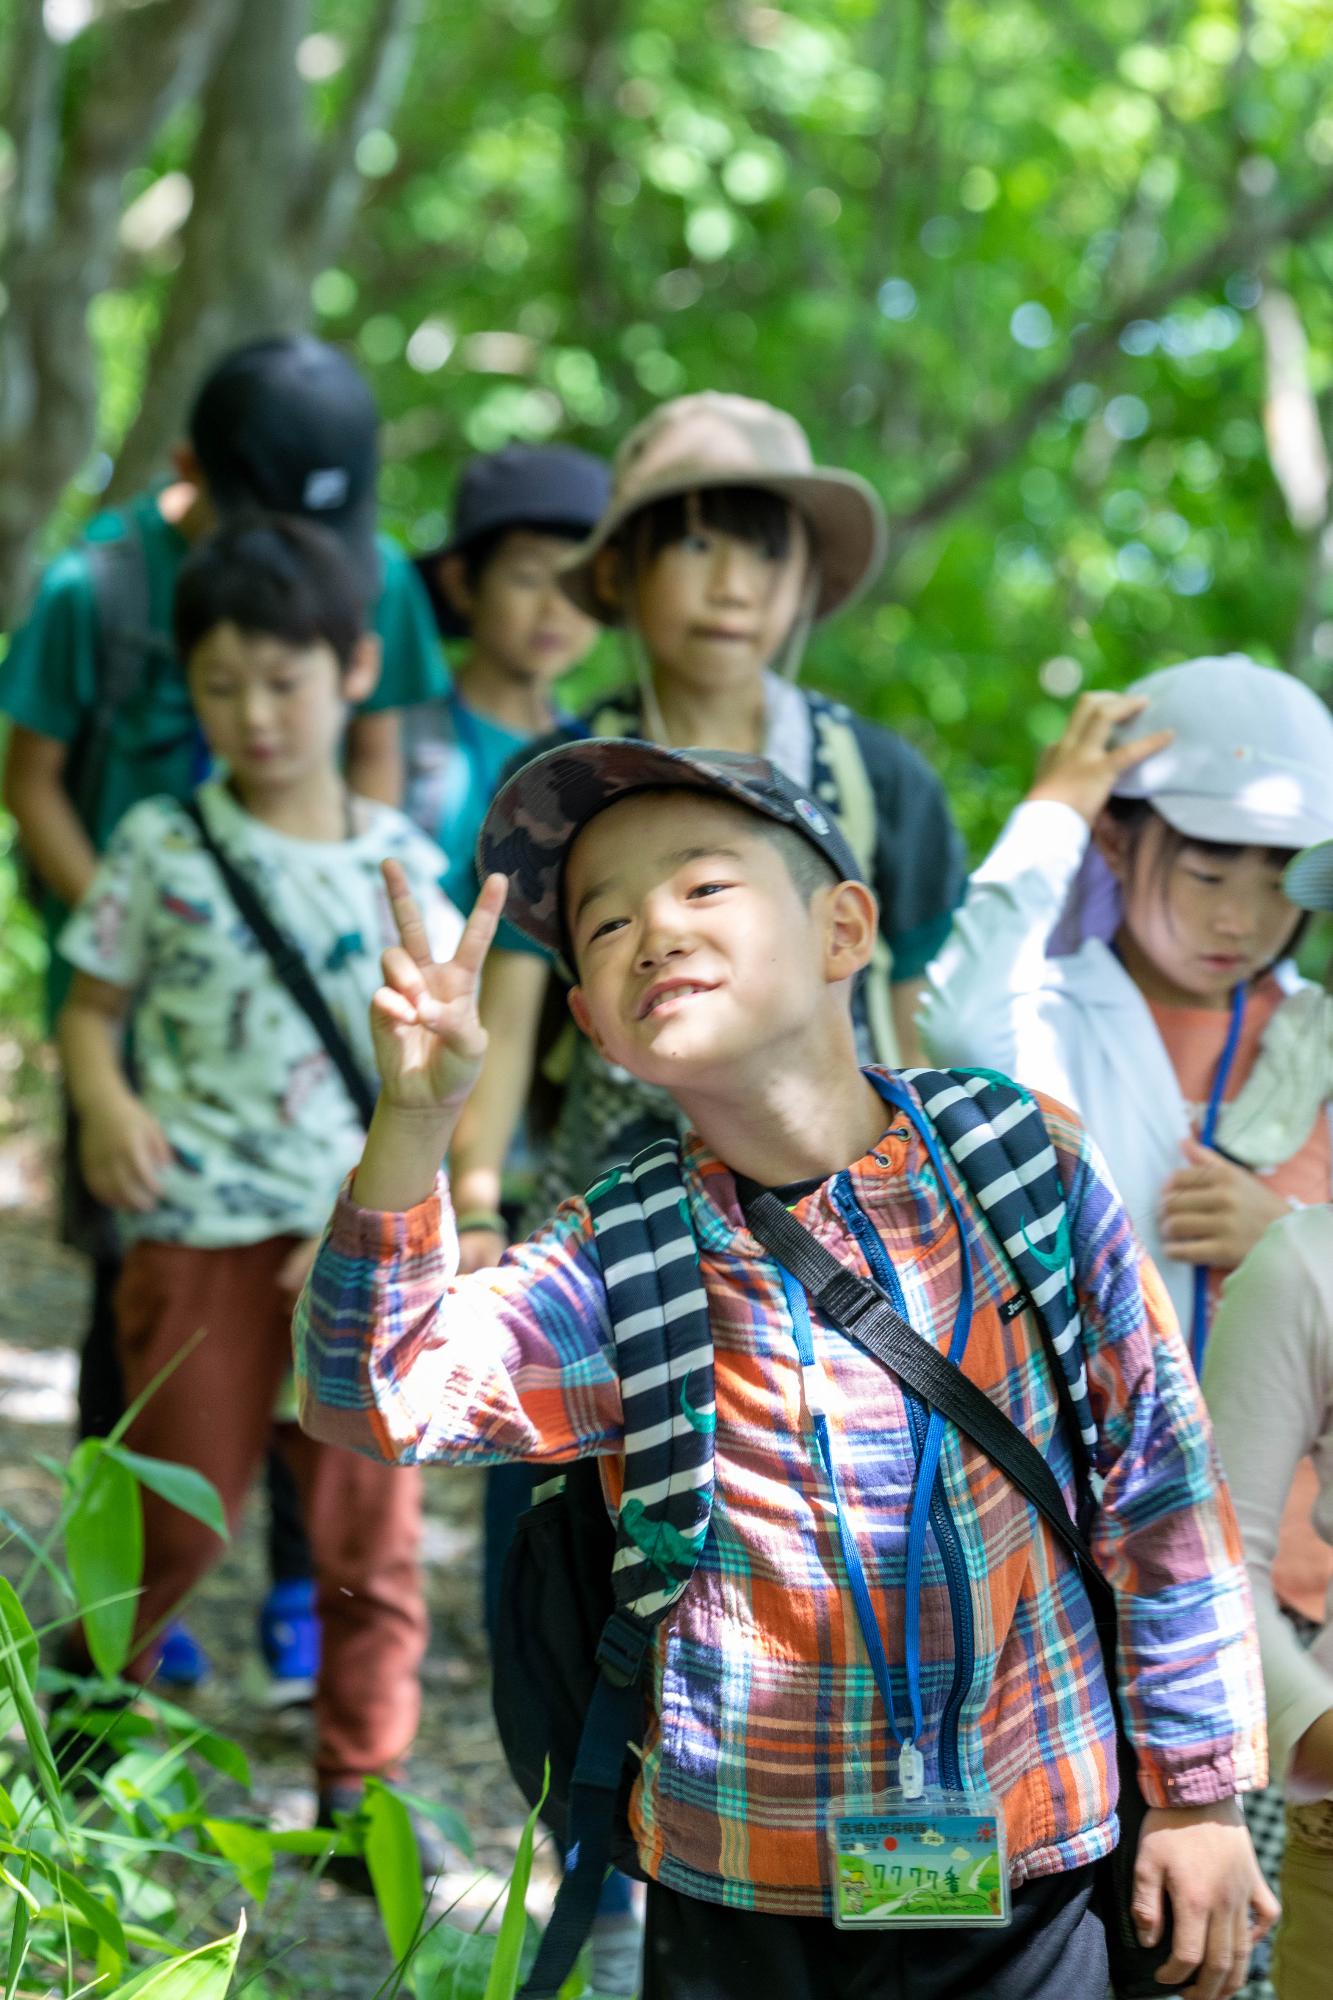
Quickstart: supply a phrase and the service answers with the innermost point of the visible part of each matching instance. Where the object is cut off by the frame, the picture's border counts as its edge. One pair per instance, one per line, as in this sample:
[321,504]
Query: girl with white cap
[1124,947]
[1269,1422]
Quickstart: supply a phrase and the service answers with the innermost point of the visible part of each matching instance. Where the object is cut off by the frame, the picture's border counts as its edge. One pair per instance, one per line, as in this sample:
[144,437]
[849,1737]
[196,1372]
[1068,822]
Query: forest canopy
[1056,280]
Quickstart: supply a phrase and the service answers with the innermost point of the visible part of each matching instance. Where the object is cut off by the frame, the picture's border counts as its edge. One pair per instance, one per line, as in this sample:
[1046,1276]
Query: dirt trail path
[332,1940]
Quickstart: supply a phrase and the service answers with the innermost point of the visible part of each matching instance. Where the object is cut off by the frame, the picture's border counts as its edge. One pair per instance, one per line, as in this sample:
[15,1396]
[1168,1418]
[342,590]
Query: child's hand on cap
[429,1041]
[1081,769]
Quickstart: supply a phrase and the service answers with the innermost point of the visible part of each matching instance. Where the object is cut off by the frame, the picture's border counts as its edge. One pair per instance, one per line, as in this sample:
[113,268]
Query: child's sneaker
[289,1638]
[183,1663]
[339,1803]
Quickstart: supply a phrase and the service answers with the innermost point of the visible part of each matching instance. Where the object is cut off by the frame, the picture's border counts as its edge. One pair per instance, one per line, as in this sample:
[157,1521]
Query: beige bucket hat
[713,439]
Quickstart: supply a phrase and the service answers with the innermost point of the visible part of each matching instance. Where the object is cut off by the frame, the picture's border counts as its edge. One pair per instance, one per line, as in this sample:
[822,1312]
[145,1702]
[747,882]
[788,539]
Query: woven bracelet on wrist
[475,1220]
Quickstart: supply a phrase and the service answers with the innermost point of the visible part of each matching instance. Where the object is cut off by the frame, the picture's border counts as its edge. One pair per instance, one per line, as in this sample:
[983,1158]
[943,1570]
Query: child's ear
[1110,837]
[578,1007]
[451,575]
[362,671]
[852,919]
[608,576]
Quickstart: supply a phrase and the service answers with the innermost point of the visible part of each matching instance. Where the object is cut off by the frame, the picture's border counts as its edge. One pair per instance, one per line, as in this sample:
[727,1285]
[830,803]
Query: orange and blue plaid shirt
[763,1710]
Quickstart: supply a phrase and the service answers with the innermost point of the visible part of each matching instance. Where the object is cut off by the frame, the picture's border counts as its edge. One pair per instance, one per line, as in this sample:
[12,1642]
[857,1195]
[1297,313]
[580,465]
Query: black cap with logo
[289,425]
[532,822]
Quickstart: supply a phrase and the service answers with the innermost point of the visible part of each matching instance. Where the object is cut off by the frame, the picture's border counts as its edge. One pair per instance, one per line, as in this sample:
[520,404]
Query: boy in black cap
[101,714]
[842,1629]
[519,512]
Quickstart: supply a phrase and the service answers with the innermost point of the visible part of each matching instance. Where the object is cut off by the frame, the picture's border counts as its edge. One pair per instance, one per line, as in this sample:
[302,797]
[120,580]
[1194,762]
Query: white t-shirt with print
[261,1128]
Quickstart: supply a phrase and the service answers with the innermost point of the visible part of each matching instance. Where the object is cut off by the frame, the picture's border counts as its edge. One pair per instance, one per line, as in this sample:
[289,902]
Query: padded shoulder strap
[118,571]
[998,1141]
[664,1349]
[118,576]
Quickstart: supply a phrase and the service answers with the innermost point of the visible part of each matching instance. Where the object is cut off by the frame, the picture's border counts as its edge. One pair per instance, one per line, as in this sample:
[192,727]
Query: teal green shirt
[454,758]
[48,678]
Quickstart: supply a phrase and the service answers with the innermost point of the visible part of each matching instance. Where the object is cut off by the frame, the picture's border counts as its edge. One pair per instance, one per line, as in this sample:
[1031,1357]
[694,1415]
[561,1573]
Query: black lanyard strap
[867,1317]
[291,969]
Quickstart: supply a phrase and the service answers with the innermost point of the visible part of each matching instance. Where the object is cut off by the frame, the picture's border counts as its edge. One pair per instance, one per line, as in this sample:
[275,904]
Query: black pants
[1052,1949]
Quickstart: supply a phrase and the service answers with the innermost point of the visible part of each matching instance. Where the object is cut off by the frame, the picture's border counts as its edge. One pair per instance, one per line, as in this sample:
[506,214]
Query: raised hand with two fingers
[429,1041]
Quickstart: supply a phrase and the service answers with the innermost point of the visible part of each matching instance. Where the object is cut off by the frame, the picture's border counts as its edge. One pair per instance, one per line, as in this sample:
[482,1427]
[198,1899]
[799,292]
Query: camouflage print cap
[532,822]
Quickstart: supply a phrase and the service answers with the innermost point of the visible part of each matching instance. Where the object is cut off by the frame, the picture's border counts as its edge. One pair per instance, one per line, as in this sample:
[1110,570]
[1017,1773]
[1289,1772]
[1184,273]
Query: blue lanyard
[1207,1133]
[927,1476]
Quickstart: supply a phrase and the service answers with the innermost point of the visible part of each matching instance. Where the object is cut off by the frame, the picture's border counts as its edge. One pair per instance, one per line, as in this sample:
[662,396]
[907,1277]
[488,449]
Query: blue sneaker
[289,1638]
[183,1663]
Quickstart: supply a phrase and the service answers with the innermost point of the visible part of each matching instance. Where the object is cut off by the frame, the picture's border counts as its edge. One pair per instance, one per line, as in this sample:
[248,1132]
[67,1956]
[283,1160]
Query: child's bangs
[750,513]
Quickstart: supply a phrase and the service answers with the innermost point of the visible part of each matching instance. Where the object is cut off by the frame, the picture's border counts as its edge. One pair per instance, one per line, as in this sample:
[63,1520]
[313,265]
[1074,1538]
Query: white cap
[1251,762]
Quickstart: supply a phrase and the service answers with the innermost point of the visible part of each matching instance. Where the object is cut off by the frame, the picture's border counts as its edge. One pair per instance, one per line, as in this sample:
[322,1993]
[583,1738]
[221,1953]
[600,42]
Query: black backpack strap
[290,967]
[658,1311]
[125,642]
[866,1315]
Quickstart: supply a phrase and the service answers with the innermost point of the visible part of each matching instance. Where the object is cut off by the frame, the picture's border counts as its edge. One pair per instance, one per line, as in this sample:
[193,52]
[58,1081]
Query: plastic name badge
[934,1860]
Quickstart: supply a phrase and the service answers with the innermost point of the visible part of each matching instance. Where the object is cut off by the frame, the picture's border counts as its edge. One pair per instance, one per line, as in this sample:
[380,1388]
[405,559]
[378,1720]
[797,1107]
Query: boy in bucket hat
[722,544]
[713,917]
[493,584]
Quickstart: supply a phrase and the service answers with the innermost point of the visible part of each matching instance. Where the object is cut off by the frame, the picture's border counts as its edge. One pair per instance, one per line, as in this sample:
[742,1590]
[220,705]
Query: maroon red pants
[363,1520]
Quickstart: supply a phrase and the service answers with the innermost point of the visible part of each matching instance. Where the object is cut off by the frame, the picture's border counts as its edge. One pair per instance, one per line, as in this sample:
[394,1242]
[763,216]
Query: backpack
[124,644]
[581,1597]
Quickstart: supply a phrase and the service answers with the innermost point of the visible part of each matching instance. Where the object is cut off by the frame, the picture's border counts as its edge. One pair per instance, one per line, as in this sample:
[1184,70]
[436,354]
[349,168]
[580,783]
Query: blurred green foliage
[892,217]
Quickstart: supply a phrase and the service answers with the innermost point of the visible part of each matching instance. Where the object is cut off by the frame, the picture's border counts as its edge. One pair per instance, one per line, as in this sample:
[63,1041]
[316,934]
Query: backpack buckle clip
[622,1648]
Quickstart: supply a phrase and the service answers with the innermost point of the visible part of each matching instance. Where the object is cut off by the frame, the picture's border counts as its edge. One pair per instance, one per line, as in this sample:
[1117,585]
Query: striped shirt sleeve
[398,1357]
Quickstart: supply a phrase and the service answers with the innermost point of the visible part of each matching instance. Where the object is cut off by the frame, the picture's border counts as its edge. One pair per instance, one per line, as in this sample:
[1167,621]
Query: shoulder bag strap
[291,969]
[866,1316]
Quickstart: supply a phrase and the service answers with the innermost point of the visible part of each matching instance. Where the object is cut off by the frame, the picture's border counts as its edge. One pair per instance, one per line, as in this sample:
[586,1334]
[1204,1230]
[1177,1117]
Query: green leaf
[140,1900]
[315,1840]
[18,1934]
[39,1555]
[503,1981]
[100,1918]
[18,1668]
[180,1485]
[220,1751]
[395,1866]
[249,1850]
[104,1550]
[20,1889]
[449,1964]
[451,1824]
[158,1777]
[200,1975]
[25,1663]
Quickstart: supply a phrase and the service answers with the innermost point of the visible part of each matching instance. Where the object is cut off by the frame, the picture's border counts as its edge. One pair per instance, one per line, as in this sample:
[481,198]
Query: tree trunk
[270,206]
[63,239]
[233,282]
